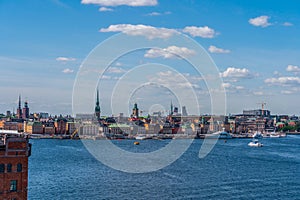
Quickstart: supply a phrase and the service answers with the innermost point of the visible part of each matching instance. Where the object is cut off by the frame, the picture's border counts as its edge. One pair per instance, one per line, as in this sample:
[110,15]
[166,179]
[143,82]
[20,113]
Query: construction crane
[262,107]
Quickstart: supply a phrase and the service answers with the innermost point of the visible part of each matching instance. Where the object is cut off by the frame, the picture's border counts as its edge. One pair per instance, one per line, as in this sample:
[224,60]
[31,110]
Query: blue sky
[255,45]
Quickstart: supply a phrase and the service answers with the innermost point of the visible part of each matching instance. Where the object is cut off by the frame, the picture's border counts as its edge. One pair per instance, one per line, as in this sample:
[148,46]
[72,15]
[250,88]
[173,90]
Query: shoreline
[156,137]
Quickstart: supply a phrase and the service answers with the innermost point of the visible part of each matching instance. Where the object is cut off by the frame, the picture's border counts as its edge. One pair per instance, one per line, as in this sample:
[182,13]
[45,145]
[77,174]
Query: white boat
[255,143]
[219,135]
[141,137]
[225,135]
[257,135]
[274,136]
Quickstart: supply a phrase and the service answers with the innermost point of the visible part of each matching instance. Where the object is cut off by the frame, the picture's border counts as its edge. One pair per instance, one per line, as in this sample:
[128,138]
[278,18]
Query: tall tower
[184,112]
[25,110]
[135,111]
[19,110]
[97,107]
[171,111]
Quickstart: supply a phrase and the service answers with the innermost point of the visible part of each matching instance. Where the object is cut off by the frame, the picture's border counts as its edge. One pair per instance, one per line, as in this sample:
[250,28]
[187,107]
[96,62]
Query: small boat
[257,135]
[255,143]
[136,143]
[219,135]
[274,136]
[225,135]
[140,137]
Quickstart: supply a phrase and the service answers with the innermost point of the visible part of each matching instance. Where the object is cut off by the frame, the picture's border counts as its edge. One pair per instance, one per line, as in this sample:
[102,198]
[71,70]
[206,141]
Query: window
[9,166]
[13,186]
[19,167]
[2,167]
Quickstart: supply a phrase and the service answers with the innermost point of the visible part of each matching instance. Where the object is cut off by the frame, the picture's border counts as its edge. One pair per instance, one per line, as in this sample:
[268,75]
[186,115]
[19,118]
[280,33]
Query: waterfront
[63,169]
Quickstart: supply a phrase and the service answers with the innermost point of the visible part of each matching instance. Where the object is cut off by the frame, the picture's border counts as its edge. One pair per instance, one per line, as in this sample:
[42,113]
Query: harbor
[232,169]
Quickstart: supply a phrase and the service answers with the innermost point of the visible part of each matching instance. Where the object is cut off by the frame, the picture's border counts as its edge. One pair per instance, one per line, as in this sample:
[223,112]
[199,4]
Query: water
[64,169]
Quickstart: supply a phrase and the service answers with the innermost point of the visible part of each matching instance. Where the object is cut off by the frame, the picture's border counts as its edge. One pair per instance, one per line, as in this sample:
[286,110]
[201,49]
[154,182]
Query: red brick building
[14,153]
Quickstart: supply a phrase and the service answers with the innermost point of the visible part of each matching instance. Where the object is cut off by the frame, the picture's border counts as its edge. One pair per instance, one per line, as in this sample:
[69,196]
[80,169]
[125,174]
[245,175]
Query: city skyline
[255,46]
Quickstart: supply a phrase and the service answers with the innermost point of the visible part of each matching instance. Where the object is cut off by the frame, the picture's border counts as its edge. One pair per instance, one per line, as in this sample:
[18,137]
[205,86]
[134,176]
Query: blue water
[64,169]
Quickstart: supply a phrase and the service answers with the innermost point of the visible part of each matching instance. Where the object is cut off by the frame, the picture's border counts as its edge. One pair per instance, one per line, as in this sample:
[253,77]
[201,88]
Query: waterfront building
[14,153]
[119,129]
[33,127]
[60,125]
[88,129]
[11,125]
[49,128]
[71,127]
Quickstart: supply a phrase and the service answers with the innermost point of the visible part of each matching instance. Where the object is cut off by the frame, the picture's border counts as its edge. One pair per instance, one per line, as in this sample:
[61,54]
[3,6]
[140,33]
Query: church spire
[19,110]
[171,112]
[97,107]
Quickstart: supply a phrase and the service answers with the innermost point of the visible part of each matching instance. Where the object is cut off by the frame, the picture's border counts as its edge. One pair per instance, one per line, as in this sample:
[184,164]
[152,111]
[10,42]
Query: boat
[219,135]
[257,135]
[136,143]
[274,136]
[225,135]
[142,137]
[255,143]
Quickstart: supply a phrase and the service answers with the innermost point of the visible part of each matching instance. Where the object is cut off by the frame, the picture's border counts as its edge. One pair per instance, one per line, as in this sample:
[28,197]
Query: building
[60,126]
[184,111]
[25,111]
[19,109]
[258,112]
[135,111]
[14,153]
[97,107]
[33,127]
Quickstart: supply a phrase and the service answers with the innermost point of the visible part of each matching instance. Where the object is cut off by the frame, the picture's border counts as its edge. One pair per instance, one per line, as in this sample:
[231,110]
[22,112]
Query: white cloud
[287,92]
[283,81]
[258,93]
[261,21]
[168,78]
[287,24]
[204,32]
[148,31]
[158,13]
[121,2]
[170,52]
[154,14]
[226,85]
[232,88]
[292,68]
[105,9]
[65,59]
[67,71]
[118,64]
[105,77]
[116,70]
[239,87]
[291,90]
[232,72]
[214,49]
[276,73]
